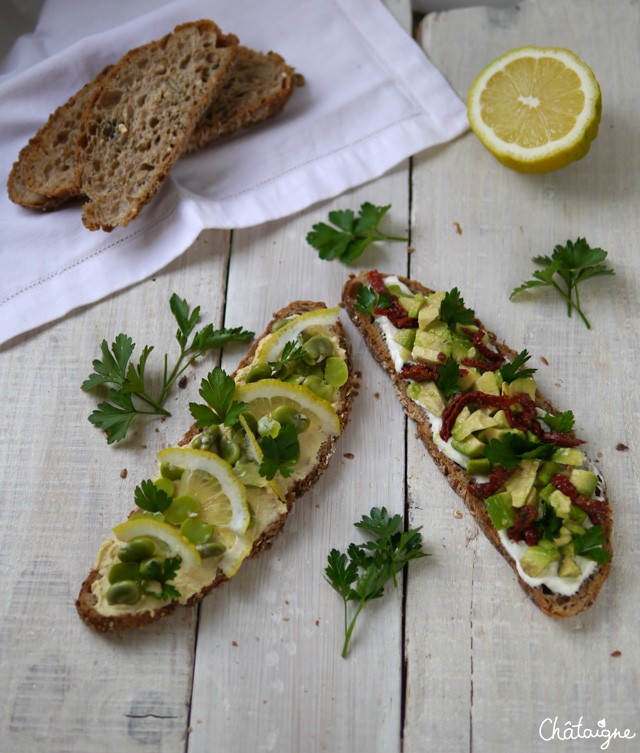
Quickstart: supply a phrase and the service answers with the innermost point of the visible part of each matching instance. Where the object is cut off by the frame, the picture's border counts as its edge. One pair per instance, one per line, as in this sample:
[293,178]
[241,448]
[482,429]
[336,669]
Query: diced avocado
[501,510]
[487,382]
[472,447]
[467,380]
[568,456]
[568,568]
[532,497]
[500,417]
[430,343]
[547,471]
[428,396]
[546,492]
[476,421]
[520,483]
[461,418]
[575,529]
[537,558]
[478,467]
[405,337]
[585,481]
[430,310]
[568,550]
[459,347]
[577,515]
[563,537]
[494,432]
[395,289]
[560,503]
[412,303]
[525,385]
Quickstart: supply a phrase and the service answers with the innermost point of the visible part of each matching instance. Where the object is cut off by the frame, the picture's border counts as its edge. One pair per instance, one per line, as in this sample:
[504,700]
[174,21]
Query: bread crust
[86,601]
[552,604]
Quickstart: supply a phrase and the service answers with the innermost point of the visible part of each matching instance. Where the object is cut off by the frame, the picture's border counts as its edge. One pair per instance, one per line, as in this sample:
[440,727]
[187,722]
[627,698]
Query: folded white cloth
[371,99]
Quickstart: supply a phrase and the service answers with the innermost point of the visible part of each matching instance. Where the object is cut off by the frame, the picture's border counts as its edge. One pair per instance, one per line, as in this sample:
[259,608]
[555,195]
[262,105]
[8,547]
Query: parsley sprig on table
[349,234]
[565,269]
[130,394]
[361,574]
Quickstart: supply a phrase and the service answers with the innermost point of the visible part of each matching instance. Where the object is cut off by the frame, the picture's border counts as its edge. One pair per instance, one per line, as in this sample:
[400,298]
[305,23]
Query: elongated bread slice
[415,368]
[257,88]
[138,123]
[270,501]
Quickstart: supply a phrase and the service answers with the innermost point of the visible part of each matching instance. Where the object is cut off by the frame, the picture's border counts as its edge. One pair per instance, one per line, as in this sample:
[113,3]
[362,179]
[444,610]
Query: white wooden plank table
[456,659]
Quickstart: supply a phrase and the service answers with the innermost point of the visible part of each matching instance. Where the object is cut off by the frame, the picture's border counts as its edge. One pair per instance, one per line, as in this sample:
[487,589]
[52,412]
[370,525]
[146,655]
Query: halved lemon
[271,347]
[211,480]
[168,536]
[536,109]
[265,396]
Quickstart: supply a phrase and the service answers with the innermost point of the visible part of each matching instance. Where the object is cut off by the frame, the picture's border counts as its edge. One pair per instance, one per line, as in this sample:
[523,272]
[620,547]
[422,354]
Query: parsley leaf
[514,370]
[130,388]
[590,544]
[291,353]
[565,269]
[361,574]
[448,376]
[280,453]
[367,300]
[162,574]
[148,497]
[349,234]
[548,526]
[453,310]
[561,422]
[508,451]
[217,389]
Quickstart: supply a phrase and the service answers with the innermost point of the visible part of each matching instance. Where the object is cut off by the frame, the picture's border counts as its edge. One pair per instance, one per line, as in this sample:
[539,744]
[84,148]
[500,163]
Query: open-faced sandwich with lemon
[261,438]
[512,457]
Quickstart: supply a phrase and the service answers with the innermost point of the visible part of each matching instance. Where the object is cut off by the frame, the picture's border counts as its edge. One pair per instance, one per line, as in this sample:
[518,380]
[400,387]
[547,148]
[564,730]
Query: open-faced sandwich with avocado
[504,448]
[261,438]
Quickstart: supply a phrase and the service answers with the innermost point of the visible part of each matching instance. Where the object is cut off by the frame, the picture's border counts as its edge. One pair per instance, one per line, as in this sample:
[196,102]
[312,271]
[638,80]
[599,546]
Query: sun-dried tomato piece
[419,372]
[493,360]
[525,518]
[497,477]
[394,313]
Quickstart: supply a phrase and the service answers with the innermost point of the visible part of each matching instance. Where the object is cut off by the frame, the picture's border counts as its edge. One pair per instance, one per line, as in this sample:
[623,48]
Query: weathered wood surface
[459,660]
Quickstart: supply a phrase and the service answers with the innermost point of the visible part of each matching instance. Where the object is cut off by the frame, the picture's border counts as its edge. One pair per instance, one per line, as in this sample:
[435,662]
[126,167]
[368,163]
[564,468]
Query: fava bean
[317,348]
[212,549]
[319,387]
[165,485]
[197,531]
[151,568]
[124,592]
[137,549]
[123,571]
[257,372]
[229,450]
[287,414]
[181,508]
[170,471]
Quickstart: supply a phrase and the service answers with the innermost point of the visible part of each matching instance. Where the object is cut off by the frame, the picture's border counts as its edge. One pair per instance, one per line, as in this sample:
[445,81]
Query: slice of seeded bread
[257,88]
[139,121]
[86,600]
[552,604]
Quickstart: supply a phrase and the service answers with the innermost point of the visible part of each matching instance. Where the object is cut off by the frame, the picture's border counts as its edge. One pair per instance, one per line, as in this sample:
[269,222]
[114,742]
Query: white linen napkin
[371,99]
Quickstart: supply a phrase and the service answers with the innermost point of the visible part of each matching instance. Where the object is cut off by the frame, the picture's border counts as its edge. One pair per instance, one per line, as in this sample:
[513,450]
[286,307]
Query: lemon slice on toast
[271,347]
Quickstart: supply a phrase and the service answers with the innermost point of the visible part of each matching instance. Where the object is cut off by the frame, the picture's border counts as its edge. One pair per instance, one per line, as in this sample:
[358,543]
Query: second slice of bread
[141,118]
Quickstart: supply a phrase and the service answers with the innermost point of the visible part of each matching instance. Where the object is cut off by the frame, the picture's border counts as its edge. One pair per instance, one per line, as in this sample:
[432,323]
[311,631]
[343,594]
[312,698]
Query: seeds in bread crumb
[621,447]
[123,473]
